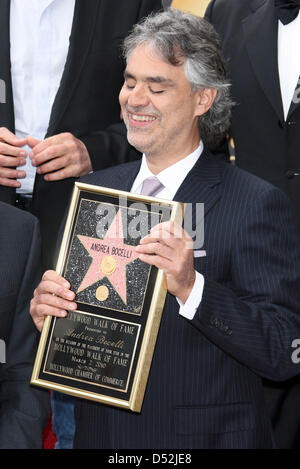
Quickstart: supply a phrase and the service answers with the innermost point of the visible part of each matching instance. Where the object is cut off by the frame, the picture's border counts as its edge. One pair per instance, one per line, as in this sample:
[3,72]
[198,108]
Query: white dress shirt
[172,178]
[39,43]
[288,60]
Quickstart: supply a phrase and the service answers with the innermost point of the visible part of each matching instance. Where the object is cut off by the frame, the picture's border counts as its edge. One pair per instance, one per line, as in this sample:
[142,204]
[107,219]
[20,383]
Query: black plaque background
[138,319]
[77,353]
[79,261]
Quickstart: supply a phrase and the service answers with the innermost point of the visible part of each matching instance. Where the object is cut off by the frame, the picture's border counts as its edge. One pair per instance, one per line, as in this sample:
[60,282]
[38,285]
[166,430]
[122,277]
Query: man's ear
[204,100]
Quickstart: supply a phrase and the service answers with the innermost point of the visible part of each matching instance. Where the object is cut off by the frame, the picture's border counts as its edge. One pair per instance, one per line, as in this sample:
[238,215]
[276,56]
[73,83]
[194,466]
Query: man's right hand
[11,157]
[52,297]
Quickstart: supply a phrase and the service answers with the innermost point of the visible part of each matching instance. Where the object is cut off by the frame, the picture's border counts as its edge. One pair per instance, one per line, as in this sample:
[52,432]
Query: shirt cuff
[189,308]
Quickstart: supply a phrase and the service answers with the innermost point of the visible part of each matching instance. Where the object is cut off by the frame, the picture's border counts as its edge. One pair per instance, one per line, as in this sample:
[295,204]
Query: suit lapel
[6,109]
[199,186]
[85,16]
[126,175]
[261,33]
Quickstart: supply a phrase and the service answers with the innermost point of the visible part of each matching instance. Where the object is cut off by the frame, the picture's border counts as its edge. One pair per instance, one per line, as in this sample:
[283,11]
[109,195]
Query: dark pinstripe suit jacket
[204,388]
[24,411]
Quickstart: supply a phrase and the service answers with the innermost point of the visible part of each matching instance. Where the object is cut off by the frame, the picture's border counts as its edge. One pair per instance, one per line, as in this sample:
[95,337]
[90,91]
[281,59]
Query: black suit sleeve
[255,316]
[208,12]
[110,147]
[24,410]
[222,152]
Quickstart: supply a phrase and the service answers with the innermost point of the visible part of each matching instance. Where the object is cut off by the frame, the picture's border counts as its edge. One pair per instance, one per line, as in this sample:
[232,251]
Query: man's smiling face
[159,109]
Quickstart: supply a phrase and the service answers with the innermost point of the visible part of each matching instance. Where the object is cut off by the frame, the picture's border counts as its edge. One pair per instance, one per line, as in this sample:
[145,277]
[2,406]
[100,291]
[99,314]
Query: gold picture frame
[103,350]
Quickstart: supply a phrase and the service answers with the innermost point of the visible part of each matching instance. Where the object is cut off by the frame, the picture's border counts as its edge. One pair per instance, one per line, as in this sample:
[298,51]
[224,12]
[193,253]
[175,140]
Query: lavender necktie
[151,186]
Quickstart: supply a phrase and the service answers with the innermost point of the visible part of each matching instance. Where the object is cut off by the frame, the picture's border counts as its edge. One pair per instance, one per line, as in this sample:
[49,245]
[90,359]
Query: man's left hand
[59,157]
[169,247]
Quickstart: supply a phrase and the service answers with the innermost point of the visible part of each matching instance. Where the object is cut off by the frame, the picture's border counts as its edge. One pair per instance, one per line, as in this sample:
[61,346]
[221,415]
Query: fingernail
[23,153]
[72,306]
[70,295]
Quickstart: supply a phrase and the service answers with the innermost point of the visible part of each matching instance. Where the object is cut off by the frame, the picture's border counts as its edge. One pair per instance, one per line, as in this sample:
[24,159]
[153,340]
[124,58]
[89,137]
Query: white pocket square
[199,253]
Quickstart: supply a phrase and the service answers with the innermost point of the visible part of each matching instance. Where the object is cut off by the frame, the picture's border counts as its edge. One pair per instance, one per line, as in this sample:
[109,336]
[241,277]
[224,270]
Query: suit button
[291,174]
[215,322]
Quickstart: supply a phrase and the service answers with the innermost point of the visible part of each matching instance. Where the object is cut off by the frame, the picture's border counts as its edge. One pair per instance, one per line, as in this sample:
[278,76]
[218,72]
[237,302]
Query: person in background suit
[60,61]
[231,314]
[260,40]
[23,410]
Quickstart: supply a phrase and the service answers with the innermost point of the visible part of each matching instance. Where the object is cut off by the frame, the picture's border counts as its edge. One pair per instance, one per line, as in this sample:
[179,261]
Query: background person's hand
[11,157]
[59,157]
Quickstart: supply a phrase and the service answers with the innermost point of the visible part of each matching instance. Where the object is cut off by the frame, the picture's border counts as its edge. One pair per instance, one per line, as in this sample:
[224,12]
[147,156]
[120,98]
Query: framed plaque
[103,350]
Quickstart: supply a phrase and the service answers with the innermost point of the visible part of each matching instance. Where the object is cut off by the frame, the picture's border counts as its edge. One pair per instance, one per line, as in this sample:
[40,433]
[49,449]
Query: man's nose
[138,96]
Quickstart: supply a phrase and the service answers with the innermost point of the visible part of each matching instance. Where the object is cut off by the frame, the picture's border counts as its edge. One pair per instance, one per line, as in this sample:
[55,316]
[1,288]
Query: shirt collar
[171,177]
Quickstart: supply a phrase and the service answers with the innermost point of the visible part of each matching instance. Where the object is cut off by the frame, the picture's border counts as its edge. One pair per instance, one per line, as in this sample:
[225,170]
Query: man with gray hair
[230,315]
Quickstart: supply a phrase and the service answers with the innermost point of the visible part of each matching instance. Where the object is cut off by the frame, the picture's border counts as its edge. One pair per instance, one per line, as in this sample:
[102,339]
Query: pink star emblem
[109,258]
